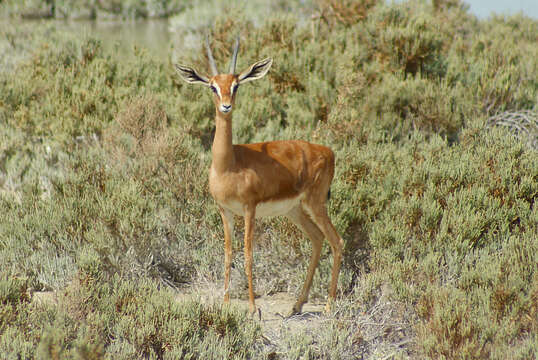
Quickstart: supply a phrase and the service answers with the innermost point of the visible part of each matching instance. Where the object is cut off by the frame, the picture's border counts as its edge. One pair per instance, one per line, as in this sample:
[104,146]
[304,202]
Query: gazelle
[290,178]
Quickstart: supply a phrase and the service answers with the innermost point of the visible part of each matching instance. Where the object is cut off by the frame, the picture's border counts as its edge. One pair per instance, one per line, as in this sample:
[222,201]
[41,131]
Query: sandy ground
[273,310]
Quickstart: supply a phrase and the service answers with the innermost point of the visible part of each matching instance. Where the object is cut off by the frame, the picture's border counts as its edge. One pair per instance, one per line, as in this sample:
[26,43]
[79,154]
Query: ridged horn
[212,64]
[234,56]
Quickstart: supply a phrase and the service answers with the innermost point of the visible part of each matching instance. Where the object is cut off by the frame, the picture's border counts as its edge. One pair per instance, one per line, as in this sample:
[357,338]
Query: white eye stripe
[233,88]
[216,86]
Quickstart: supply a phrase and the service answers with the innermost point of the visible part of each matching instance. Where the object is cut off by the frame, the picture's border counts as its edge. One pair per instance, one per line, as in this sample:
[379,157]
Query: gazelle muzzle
[225,108]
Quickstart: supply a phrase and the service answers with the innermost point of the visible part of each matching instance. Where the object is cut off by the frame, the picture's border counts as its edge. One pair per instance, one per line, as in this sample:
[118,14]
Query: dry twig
[523,124]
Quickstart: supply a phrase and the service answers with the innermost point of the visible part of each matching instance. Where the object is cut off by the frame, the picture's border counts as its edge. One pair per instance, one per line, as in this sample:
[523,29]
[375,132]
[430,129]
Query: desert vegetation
[432,114]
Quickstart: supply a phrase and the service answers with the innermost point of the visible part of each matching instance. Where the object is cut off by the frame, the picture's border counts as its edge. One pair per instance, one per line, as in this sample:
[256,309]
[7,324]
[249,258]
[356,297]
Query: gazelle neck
[222,149]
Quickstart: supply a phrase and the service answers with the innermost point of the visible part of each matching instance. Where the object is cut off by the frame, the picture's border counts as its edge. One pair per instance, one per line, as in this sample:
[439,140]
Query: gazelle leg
[303,221]
[250,215]
[320,217]
[228,222]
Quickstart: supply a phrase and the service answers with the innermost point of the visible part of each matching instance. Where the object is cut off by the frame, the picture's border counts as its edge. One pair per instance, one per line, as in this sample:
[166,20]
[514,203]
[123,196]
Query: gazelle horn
[210,57]
[234,56]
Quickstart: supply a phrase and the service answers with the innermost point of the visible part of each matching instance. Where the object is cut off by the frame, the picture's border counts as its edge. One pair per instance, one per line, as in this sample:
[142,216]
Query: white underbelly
[265,209]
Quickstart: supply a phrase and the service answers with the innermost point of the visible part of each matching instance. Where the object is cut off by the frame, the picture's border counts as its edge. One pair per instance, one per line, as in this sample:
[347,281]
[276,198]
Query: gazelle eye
[234,88]
[214,89]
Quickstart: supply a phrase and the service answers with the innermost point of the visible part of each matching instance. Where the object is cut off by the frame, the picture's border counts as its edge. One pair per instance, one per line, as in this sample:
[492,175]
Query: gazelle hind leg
[320,217]
[303,221]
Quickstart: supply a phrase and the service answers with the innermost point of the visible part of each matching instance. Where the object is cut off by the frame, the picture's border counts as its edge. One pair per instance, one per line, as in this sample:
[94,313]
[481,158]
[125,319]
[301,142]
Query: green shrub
[97,317]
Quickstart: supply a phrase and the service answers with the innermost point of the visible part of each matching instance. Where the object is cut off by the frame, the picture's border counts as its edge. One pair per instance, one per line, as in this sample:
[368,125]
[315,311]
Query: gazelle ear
[190,75]
[255,71]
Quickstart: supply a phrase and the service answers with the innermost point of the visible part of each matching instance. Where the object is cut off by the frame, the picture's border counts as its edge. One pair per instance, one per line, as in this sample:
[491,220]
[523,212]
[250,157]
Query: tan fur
[290,178]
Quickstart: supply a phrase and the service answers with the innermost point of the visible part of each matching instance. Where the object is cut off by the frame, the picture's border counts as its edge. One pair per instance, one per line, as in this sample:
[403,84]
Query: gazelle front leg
[228,223]
[250,215]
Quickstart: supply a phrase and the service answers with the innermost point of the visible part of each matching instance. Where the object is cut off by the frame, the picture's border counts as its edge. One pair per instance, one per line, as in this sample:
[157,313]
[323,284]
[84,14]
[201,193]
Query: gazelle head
[224,86]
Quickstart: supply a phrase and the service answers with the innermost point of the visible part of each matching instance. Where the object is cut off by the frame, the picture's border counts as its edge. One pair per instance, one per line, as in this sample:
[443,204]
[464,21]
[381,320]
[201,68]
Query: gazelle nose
[225,107]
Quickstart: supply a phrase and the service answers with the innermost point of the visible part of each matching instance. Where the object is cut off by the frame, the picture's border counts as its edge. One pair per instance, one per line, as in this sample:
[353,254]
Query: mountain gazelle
[290,178]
